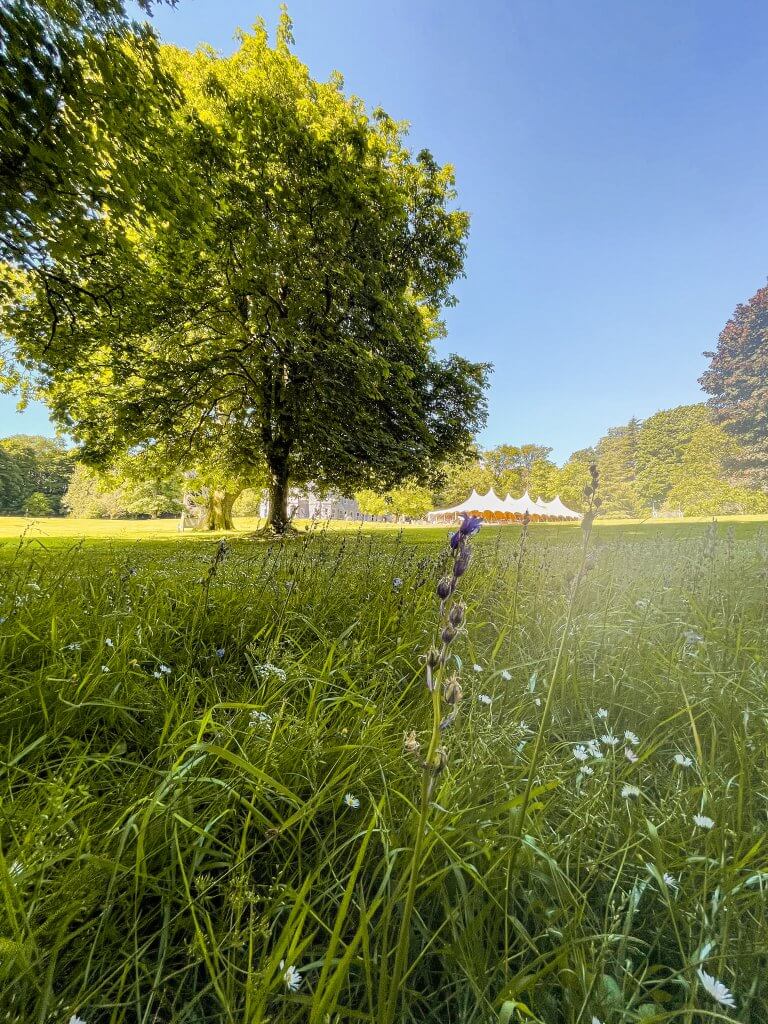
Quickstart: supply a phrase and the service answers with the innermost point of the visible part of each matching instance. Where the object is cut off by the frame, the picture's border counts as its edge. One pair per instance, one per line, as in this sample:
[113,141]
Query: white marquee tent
[493,509]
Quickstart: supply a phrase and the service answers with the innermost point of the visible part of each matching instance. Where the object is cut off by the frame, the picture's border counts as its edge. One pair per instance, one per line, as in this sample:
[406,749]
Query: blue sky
[614,159]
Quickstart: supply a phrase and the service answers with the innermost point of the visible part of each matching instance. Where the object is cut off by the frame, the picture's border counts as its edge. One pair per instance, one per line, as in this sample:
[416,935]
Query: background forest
[678,461]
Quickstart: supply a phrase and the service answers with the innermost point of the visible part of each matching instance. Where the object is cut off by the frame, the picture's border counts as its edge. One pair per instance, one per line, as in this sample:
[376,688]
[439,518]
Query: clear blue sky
[613,156]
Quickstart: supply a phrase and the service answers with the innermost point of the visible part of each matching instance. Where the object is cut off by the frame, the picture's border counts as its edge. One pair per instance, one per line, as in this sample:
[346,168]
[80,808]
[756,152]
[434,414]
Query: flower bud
[462,562]
[448,634]
[439,761]
[452,692]
[410,744]
[444,588]
[448,721]
[432,657]
[456,614]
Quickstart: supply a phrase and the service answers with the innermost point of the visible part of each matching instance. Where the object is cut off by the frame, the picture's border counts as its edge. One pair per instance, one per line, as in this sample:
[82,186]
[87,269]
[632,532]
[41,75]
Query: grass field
[208,815]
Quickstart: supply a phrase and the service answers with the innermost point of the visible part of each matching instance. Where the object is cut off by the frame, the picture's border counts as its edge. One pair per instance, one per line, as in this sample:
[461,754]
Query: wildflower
[703,821]
[397,583]
[630,737]
[537,702]
[477,668]
[445,588]
[683,761]
[602,713]
[74,1019]
[257,718]
[630,755]
[586,770]
[609,739]
[73,647]
[670,881]
[291,977]
[219,652]
[716,989]
[596,1020]
[109,643]
[523,726]
[580,752]
[484,698]
[164,669]
[628,792]
[594,748]
[105,668]
[158,675]
[351,801]
[506,676]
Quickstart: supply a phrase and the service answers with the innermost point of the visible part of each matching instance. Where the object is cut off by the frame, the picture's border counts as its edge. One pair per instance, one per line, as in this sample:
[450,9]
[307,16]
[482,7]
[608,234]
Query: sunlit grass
[174,817]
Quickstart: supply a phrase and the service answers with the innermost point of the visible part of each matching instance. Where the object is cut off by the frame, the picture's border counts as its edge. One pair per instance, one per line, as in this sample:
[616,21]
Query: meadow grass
[204,781]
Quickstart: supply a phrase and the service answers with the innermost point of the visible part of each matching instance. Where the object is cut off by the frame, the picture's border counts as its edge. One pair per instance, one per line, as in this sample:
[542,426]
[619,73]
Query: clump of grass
[207,815]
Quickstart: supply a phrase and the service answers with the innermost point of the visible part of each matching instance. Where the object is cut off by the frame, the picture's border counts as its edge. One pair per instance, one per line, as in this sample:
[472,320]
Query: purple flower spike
[470,525]
[455,540]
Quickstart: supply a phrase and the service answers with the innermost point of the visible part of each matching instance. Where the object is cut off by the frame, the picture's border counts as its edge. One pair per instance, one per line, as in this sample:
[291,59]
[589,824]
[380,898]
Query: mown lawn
[204,780]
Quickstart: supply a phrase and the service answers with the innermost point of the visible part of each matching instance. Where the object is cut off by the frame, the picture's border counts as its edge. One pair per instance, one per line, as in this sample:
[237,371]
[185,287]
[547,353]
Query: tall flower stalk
[445,697]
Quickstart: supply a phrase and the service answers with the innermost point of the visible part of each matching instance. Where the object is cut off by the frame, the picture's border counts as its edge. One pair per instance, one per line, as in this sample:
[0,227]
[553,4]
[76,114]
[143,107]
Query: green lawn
[179,738]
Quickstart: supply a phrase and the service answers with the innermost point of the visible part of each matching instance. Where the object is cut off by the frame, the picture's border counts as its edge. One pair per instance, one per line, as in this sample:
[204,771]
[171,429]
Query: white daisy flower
[594,748]
[586,770]
[703,821]
[580,753]
[628,792]
[506,676]
[683,761]
[609,739]
[630,755]
[716,989]
[105,668]
[630,737]
[484,698]
[164,669]
[291,977]
[109,643]
[351,801]
[602,713]
[670,881]
[477,668]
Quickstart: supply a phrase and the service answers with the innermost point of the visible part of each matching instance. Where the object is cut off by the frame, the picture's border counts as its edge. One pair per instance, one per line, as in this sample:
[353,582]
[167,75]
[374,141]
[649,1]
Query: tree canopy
[737,381]
[282,310]
[81,97]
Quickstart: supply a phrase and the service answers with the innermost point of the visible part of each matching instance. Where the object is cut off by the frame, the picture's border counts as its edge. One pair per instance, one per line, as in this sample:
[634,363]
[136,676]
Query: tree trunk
[218,512]
[277,516]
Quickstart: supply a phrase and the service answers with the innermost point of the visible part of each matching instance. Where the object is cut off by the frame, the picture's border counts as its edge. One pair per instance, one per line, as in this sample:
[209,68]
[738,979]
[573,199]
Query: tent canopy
[491,504]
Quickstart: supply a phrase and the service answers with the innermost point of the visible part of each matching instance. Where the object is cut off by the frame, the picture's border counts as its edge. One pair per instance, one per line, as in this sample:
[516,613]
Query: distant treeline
[679,461]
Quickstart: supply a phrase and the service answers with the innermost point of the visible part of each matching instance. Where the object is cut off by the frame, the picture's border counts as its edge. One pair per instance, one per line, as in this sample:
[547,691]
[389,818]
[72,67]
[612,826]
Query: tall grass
[178,744]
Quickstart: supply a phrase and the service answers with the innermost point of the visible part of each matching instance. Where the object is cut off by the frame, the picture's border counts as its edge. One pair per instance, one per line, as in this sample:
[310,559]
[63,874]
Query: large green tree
[737,381]
[284,310]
